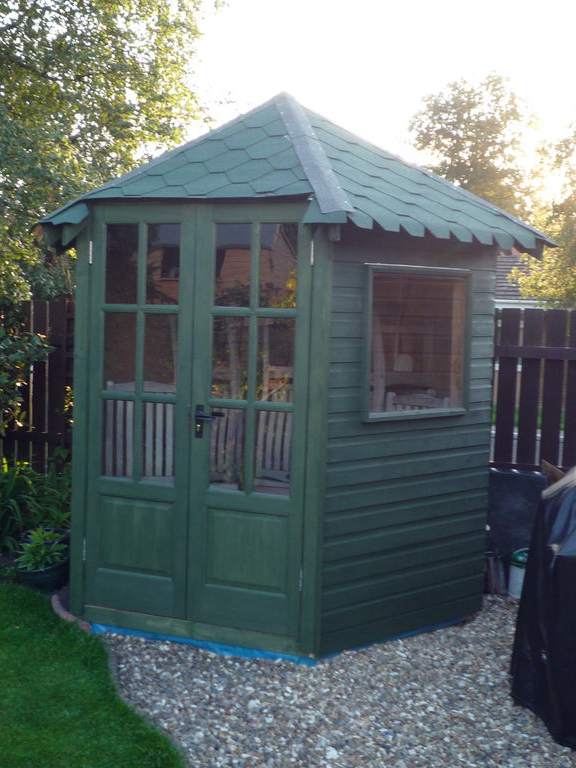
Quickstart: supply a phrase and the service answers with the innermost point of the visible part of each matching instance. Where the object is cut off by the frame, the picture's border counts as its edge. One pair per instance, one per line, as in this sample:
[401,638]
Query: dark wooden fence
[534,388]
[48,389]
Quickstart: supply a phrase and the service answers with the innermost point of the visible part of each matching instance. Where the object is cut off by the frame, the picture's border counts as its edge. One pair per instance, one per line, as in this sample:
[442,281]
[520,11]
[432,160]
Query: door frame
[314,306]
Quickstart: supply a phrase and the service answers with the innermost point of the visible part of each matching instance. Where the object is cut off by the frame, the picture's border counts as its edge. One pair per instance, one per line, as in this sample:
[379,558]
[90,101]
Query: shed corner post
[80,429]
[317,439]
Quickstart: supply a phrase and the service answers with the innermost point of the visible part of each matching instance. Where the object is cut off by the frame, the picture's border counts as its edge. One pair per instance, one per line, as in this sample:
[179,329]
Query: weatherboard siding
[404,517]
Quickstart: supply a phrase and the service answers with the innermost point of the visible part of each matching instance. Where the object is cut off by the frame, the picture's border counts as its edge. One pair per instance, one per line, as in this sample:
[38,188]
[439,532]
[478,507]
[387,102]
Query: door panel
[247,468]
[137,519]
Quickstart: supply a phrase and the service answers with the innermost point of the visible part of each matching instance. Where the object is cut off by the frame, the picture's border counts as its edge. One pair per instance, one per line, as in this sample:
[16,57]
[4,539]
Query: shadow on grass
[58,704]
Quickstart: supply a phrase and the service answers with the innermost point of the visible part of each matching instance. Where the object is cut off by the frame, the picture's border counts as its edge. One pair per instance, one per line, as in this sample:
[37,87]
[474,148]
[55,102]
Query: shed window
[418,330]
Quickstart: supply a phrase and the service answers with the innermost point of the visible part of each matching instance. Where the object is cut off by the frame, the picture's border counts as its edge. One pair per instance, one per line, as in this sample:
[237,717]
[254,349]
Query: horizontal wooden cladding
[385,515]
[427,618]
[451,569]
[427,462]
[408,489]
[378,564]
[402,602]
[383,446]
[404,536]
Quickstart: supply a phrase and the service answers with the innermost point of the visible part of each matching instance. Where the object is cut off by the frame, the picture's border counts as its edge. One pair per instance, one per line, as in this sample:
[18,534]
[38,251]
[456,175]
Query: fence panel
[534,388]
[47,424]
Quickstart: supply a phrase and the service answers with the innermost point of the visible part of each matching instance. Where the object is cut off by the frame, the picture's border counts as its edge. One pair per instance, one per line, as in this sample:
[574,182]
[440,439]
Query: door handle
[200,417]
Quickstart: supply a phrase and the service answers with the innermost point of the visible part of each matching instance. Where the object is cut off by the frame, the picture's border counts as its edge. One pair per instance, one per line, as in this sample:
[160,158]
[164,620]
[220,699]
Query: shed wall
[404,517]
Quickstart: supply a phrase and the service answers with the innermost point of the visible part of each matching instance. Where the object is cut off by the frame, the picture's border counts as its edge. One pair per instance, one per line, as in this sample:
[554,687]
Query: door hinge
[301,579]
[90,257]
[312,253]
[83,550]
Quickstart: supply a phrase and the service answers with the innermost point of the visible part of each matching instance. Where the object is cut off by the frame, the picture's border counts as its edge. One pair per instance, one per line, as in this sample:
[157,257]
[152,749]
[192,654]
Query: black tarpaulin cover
[544,657]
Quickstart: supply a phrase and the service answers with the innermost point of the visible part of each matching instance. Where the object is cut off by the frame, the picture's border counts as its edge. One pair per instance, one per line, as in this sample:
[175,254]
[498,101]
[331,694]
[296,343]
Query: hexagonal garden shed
[282,389]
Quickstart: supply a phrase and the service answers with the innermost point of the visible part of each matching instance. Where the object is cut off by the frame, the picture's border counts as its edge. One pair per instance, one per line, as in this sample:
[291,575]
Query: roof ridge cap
[329,194]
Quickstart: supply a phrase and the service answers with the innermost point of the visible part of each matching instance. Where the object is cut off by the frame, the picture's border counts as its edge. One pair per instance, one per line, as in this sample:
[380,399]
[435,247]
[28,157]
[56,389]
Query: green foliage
[473,133]
[85,87]
[29,499]
[42,549]
[59,704]
[18,350]
[552,279]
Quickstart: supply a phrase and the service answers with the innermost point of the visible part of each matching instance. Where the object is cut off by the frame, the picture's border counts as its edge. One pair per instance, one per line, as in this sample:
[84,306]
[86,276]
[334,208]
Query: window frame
[373,268]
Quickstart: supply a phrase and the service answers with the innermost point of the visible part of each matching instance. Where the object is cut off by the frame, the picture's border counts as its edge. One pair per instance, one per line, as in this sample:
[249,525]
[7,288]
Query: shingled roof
[282,150]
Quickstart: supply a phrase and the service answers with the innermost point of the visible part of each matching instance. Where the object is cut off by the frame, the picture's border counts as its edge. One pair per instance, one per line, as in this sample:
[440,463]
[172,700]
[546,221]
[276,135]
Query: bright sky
[367,64]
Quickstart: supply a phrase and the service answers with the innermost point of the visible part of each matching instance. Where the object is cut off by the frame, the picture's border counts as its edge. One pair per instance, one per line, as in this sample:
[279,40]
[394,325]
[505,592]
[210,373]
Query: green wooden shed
[282,389]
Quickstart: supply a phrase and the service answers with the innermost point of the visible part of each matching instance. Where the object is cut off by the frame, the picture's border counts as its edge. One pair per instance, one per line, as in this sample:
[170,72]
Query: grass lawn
[58,706]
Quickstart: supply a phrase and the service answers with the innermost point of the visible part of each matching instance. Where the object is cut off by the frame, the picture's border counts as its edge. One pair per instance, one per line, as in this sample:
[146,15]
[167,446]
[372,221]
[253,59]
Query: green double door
[197,412]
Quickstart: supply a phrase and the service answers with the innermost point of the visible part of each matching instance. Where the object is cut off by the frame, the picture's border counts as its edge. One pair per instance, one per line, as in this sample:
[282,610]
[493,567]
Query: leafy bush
[29,499]
[18,350]
[42,549]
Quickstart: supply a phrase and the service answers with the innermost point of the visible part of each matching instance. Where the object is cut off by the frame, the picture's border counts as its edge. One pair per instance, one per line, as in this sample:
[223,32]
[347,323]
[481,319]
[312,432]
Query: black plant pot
[48,580]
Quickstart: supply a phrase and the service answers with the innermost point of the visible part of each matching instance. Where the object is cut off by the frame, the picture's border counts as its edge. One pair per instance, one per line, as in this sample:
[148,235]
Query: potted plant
[42,561]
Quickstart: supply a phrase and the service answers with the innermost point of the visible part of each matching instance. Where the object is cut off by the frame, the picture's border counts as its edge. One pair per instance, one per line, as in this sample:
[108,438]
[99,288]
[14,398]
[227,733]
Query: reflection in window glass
[278,261]
[230,357]
[272,452]
[121,263]
[163,264]
[160,338]
[119,351]
[158,439]
[227,449]
[232,278]
[118,438]
[275,371]
[417,357]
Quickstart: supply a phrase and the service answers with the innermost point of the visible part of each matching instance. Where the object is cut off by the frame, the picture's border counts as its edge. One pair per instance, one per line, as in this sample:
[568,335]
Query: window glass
[160,338]
[120,351]
[232,265]
[278,249]
[227,449]
[121,263]
[275,369]
[118,438]
[272,454]
[230,357]
[158,440]
[163,264]
[417,355]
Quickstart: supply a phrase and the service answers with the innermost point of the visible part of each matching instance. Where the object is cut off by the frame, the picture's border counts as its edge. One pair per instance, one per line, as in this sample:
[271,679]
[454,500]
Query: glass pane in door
[230,357]
[275,364]
[278,262]
[160,340]
[120,351]
[163,264]
[272,452]
[227,449]
[232,264]
[121,263]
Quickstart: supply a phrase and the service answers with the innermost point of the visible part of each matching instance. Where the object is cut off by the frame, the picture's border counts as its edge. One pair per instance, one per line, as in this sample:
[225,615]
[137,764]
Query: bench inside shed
[282,389]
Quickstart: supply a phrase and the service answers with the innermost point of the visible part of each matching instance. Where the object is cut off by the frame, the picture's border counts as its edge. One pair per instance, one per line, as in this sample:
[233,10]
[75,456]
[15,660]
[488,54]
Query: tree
[473,134]
[552,278]
[87,89]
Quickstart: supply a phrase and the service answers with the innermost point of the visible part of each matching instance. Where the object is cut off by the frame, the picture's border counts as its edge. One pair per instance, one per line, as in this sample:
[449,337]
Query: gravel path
[438,700]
